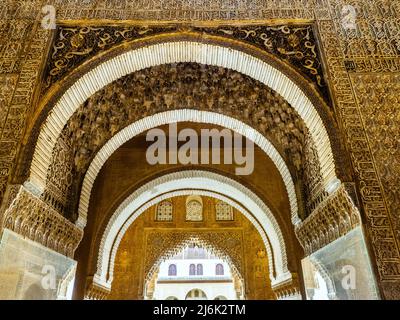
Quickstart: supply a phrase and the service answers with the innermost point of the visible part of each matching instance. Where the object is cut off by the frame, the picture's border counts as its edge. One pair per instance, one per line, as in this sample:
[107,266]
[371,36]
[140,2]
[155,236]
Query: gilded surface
[373,47]
[74,45]
[21,50]
[339,45]
[294,44]
[379,104]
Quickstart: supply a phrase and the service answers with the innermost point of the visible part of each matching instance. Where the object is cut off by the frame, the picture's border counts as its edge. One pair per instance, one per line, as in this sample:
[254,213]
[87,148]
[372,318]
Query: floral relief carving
[21,52]
[342,61]
[374,46]
[73,45]
[377,28]
[61,171]
[379,103]
[7,86]
[293,44]
[312,177]
[332,218]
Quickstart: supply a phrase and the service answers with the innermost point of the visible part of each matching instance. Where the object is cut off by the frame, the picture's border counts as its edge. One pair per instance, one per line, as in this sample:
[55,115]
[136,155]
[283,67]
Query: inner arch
[183,115]
[145,197]
[157,199]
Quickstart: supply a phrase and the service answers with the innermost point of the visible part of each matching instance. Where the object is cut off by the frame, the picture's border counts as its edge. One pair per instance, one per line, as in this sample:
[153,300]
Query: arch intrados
[56,92]
[183,115]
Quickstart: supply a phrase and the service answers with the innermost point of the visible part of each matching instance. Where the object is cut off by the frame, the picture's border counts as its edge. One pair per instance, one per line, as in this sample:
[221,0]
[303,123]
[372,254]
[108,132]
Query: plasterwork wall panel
[339,47]
[22,45]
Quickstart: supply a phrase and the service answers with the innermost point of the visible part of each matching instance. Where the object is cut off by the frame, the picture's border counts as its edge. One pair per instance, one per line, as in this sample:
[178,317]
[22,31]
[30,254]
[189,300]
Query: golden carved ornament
[333,218]
[293,44]
[95,292]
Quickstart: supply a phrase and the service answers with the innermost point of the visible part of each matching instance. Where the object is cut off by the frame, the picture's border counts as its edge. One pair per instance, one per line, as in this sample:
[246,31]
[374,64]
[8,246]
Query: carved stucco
[339,45]
[334,217]
[22,47]
[35,220]
[294,44]
[377,97]
[178,86]
[60,187]
[345,51]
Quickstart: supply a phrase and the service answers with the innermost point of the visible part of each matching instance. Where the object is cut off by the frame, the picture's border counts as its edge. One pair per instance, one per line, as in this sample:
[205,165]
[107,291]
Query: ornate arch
[216,243]
[207,242]
[197,192]
[183,115]
[188,50]
[223,188]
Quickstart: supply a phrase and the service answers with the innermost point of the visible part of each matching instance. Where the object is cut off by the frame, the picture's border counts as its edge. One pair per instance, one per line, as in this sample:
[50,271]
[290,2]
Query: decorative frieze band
[32,218]
[289,290]
[333,218]
[94,291]
[372,65]
[344,63]
[20,60]
[294,44]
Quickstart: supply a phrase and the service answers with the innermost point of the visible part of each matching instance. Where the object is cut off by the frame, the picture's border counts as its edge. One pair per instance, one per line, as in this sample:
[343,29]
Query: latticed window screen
[224,212]
[164,211]
[194,211]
